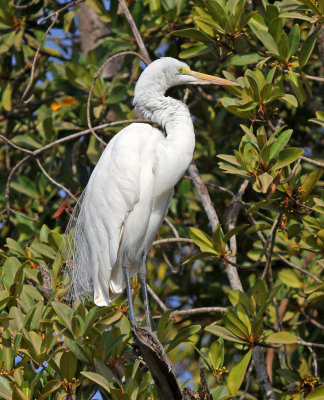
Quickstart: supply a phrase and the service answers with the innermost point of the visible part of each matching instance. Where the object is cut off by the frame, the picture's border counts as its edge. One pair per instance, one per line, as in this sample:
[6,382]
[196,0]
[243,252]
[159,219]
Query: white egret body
[130,189]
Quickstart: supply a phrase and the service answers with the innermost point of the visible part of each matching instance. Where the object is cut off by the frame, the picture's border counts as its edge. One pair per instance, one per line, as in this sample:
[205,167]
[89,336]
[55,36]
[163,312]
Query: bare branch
[195,311]
[54,181]
[32,75]
[23,6]
[272,235]
[157,299]
[203,195]
[136,33]
[310,77]
[302,270]
[309,160]
[172,240]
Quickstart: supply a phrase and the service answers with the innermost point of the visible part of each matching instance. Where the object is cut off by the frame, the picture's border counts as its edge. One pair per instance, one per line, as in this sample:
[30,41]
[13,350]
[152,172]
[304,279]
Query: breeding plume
[130,189]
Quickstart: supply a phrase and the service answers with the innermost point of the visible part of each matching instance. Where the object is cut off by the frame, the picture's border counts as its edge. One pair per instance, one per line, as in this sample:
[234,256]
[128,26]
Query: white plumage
[130,189]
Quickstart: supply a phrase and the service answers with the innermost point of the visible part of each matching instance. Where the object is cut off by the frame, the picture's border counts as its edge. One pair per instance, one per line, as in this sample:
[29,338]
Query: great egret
[130,189]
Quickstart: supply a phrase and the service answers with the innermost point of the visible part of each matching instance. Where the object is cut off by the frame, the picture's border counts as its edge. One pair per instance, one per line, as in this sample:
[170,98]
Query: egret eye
[180,70]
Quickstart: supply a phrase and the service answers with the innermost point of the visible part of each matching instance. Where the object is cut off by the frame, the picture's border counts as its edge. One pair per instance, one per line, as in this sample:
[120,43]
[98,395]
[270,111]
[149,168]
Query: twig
[23,6]
[310,77]
[213,185]
[14,145]
[272,234]
[184,313]
[292,173]
[123,53]
[171,240]
[32,75]
[309,344]
[302,270]
[309,160]
[176,234]
[263,240]
[157,299]
[312,320]
[195,311]
[54,181]
[12,172]
[73,3]
[136,33]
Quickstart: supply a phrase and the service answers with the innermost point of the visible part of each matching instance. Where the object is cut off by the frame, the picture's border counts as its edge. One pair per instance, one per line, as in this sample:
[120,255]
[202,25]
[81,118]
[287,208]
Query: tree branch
[136,33]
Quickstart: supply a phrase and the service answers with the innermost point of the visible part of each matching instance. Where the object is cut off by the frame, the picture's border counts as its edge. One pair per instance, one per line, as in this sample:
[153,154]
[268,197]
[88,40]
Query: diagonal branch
[136,33]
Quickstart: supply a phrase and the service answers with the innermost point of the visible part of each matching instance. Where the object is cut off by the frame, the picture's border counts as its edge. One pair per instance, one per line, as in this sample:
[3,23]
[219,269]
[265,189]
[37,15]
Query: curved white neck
[174,117]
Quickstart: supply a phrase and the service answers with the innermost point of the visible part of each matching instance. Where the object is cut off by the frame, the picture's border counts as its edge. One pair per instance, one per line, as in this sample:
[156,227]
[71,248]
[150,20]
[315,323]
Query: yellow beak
[212,80]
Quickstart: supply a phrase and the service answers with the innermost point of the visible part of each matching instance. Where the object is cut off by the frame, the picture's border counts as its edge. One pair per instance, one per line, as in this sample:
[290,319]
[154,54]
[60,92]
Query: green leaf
[5,389]
[237,374]
[194,50]
[224,333]
[18,394]
[192,33]
[246,59]
[297,86]
[294,39]
[310,183]
[6,97]
[43,250]
[7,352]
[26,141]
[100,380]
[233,324]
[230,159]
[50,387]
[216,354]
[317,394]
[64,313]
[288,156]
[236,297]
[279,144]
[68,365]
[281,338]
[233,232]
[290,278]
[264,36]
[218,242]
[308,47]
[163,324]
[183,336]
[217,11]
[289,99]
[202,240]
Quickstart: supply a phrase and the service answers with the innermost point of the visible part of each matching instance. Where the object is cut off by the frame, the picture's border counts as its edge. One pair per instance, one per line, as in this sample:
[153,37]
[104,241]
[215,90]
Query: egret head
[167,72]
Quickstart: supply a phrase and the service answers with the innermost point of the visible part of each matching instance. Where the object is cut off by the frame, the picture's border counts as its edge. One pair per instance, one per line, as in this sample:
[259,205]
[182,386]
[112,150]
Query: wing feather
[97,222]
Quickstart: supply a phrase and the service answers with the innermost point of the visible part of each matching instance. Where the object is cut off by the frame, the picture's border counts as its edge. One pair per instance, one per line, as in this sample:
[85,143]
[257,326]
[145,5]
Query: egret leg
[129,294]
[142,277]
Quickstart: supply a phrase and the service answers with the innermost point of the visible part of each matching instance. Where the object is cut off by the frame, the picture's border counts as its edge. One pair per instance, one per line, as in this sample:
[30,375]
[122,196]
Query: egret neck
[174,118]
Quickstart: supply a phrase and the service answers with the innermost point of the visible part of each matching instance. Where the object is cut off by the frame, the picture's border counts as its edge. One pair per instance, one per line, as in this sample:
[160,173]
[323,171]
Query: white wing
[121,181]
